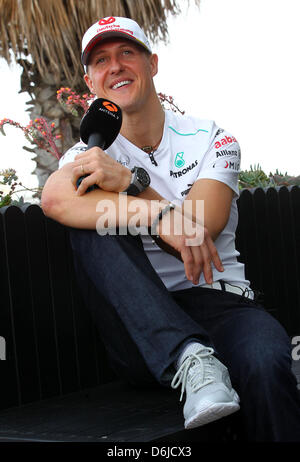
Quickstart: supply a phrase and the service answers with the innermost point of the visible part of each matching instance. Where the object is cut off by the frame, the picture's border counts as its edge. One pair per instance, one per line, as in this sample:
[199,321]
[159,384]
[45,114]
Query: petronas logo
[179,160]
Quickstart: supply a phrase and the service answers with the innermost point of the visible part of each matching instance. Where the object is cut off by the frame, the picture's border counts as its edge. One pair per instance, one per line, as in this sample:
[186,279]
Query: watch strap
[132,190]
[134,187]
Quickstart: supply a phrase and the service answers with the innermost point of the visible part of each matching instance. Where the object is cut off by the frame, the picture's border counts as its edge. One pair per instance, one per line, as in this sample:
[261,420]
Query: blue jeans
[145,327]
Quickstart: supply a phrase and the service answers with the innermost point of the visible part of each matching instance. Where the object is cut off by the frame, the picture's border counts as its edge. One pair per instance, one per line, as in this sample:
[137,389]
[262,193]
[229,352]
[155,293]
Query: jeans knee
[267,366]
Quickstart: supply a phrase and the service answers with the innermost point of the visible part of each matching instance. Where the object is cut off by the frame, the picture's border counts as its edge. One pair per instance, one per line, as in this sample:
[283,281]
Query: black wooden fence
[51,344]
[268,239]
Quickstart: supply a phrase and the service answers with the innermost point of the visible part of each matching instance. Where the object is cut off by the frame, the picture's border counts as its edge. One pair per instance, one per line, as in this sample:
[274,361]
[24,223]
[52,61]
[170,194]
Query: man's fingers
[81,156]
[77,172]
[197,263]
[85,183]
[88,153]
[88,181]
[213,252]
[206,265]
[188,261]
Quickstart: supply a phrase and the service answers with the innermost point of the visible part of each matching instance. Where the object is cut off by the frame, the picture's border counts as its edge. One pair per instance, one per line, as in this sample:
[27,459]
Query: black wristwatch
[140,180]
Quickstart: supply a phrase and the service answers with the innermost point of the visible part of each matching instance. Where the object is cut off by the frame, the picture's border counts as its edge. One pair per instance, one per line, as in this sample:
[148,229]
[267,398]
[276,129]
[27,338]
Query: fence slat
[247,230]
[42,301]
[265,251]
[21,302]
[295,211]
[9,381]
[291,264]
[85,333]
[295,205]
[277,262]
[62,304]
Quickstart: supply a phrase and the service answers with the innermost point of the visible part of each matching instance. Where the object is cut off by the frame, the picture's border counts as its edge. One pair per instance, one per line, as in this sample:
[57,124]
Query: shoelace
[198,379]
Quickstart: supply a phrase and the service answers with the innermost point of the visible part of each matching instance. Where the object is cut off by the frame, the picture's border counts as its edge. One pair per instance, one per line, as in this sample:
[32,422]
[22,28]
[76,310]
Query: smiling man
[177,312]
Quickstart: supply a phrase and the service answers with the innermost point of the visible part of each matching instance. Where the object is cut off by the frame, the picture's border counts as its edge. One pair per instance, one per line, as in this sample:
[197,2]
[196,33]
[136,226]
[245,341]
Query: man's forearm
[60,202]
[209,202]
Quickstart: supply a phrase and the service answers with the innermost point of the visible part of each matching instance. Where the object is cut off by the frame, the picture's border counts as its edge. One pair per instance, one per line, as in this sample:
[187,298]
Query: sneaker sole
[212,412]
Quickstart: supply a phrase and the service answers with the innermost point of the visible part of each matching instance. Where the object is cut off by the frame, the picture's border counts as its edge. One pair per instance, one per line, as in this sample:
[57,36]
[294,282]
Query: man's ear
[89,83]
[154,64]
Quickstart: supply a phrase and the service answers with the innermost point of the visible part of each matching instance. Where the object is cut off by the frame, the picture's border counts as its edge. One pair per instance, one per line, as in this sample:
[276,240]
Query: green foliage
[9,191]
[4,199]
[256,177]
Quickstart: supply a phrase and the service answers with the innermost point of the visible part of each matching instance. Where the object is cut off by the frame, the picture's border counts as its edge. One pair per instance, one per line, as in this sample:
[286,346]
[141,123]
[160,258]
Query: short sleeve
[222,160]
[72,153]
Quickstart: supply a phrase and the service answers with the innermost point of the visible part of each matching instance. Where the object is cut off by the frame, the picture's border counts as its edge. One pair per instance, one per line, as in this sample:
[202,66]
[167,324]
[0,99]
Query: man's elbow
[52,207]
[54,194]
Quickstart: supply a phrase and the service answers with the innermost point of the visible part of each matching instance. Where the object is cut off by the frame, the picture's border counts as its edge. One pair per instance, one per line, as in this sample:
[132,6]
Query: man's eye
[100,60]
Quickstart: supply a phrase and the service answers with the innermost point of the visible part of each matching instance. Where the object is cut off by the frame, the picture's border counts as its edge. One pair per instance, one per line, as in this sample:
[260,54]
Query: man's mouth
[121,84]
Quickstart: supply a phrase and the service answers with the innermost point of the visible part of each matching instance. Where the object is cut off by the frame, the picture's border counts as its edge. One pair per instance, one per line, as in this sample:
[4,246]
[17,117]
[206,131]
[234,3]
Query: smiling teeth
[120,84]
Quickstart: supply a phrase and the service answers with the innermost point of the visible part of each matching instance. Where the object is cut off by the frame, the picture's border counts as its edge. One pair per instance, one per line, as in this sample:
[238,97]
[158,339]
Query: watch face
[143,177]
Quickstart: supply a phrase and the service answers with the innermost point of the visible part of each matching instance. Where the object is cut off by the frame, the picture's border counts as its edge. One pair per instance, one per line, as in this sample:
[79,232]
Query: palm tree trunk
[43,103]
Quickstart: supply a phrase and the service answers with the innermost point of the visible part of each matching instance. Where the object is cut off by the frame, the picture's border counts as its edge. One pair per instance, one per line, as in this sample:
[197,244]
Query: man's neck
[146,128]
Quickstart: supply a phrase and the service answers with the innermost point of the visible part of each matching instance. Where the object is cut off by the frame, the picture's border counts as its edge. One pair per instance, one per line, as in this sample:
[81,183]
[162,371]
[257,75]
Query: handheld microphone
[100,127]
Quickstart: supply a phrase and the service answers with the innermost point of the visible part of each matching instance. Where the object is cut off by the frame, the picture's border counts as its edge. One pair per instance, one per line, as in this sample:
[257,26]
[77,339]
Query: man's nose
[115,65]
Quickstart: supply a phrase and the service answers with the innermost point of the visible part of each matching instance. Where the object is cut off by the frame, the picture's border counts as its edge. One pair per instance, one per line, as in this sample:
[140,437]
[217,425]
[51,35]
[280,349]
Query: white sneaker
[209,393]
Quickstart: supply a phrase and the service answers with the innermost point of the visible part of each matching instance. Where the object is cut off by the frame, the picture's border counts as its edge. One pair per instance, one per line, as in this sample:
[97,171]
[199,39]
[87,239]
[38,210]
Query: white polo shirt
[190,149]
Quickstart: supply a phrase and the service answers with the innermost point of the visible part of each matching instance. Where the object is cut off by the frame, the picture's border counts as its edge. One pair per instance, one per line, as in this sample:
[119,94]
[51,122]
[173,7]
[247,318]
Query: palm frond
[50,31]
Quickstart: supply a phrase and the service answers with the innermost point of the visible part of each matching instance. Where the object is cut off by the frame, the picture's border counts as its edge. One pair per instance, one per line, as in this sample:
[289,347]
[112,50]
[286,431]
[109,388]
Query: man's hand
[102,170]
[192,244]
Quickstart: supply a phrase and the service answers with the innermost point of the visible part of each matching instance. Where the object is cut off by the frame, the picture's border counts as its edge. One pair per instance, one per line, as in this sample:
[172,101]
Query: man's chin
[124,104]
